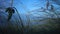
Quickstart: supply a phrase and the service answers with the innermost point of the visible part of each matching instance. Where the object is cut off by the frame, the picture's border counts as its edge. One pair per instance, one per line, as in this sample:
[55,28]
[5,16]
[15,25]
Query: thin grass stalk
[20,20]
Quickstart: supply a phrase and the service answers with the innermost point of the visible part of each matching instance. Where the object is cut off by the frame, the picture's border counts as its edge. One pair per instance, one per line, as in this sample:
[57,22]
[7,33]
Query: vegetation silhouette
[51,27]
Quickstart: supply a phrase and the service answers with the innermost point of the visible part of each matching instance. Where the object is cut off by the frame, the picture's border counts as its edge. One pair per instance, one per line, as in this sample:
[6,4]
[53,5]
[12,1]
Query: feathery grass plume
[47,4]
[10,11]
[52,8]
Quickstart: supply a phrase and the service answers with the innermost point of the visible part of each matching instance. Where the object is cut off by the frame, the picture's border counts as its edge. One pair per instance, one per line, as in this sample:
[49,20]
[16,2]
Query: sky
[28,5]
[24,6]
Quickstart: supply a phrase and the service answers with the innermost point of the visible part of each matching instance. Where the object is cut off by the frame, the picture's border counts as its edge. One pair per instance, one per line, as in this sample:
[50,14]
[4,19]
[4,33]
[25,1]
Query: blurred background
[30,17]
